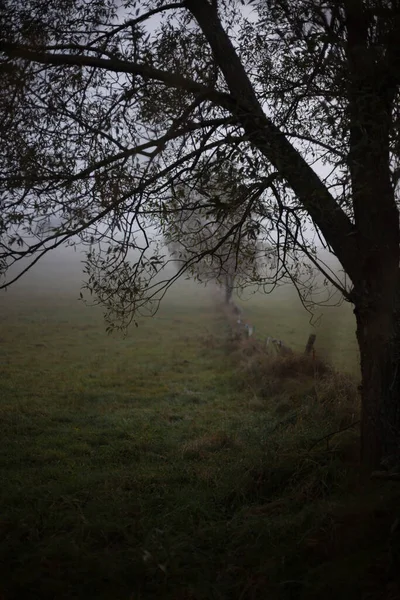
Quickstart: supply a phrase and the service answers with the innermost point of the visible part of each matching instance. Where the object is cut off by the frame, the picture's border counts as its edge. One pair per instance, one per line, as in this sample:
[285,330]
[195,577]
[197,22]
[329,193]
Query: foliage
[100,123]
[208,230]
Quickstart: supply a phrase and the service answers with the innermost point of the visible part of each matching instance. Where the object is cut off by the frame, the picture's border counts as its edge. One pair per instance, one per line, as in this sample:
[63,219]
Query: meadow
[156,466]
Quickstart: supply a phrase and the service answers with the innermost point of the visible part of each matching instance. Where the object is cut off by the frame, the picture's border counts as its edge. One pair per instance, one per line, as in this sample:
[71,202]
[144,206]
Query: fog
[59,275]
[61,270]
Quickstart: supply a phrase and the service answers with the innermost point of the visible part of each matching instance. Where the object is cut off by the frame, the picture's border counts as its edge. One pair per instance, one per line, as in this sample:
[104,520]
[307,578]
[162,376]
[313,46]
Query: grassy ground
[155,467]
[281,315]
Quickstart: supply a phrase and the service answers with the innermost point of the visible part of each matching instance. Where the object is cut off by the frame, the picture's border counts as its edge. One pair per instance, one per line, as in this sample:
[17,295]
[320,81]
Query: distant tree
[102,108]
[198,233]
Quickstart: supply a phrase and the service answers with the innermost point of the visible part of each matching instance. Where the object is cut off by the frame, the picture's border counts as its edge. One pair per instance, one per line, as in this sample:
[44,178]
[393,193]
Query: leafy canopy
[109,107]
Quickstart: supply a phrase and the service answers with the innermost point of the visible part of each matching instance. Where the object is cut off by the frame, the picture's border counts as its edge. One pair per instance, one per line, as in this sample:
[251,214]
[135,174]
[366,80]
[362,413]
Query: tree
[102,108]
[202,219]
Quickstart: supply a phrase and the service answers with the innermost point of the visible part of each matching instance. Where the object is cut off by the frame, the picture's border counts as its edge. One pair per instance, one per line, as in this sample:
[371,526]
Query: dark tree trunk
[371,93]
[378,334]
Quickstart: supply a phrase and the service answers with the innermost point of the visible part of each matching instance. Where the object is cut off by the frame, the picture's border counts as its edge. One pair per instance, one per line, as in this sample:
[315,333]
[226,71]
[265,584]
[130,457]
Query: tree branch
[42,56]
[143,17]
[56,239]
[272,143]
[242,102]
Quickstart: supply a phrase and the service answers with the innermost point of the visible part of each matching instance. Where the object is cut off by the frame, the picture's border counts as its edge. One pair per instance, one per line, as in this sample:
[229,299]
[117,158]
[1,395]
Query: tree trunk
[378,334]
[229,284]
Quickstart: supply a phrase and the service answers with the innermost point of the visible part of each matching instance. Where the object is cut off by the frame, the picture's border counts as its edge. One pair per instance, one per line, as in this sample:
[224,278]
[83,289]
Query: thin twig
[329,435]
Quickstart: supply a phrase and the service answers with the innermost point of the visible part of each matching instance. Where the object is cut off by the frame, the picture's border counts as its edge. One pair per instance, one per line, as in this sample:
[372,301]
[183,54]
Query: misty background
[280,314]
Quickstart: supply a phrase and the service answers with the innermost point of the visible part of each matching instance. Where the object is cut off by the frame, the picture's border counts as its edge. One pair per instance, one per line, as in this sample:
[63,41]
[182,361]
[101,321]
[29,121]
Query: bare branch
[118,66]
[266,136]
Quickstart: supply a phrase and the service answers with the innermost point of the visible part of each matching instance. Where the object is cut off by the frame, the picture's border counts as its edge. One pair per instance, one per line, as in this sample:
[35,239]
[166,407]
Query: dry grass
[269,375]
[294,382]
[338,392]
[254,354]
[209,444]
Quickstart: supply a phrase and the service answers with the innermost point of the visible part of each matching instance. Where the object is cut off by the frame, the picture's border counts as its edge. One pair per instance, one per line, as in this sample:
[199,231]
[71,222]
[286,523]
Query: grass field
[151,467]
[281,315]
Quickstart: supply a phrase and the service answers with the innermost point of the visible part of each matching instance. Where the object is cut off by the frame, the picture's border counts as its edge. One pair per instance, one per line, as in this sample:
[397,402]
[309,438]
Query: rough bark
[378,334]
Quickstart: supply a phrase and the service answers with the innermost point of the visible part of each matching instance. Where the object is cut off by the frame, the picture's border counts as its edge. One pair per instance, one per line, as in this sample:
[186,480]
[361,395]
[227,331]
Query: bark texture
[378,334]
